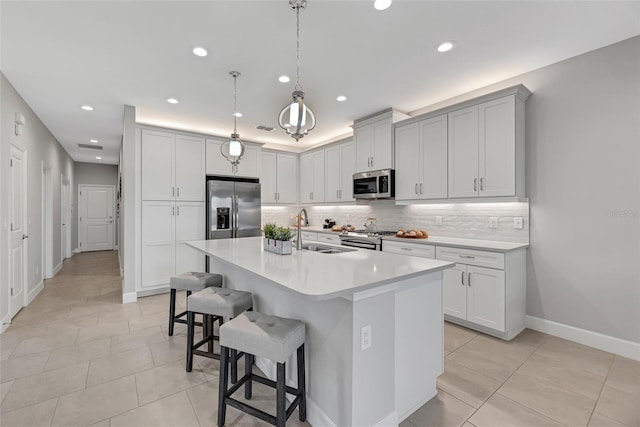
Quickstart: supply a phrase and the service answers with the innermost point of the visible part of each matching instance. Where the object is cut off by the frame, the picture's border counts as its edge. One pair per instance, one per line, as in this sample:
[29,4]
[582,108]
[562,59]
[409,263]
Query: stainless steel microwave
[378,184]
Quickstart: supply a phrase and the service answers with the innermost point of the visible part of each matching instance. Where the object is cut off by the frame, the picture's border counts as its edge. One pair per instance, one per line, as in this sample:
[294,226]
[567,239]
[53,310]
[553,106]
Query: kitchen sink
[323,249]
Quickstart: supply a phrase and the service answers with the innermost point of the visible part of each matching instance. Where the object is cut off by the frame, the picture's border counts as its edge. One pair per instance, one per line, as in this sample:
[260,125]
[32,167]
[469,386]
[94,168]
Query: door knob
[24,236]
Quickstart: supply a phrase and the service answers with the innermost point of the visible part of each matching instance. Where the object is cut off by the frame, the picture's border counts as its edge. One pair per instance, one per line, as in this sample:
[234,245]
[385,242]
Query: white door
[287,174]
[497,147]
[64,218]
[455,291]
[249,165]
[18,227]
[306,178]
[407,162]
[382,156]
[433,136]
[332,173]
[485,297]
[268,188]
[189,168]
[95,218]
[363,139]
[158,182]
[190,225]
[463,152]
[158,237]
[348,154]
[318,176]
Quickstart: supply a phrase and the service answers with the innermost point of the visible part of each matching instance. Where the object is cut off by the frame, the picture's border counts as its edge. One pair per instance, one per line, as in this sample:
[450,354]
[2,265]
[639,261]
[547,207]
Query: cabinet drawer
[329,238]
[471,257]
[413,249]
[309,236]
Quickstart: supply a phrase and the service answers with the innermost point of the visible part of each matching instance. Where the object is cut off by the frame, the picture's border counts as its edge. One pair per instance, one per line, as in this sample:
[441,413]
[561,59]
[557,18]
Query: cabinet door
[306,178]
[216,164]
[497,147]
[332,173]
[363,137]
[348,166]
[455,291]
[433,138]
[157,165]
[382,155]
[463,152]
[157,243]
[486,297]
[408,162]
[318,177]
[268,177]
[189,168]
[190,225]
[249,165]
[287,178]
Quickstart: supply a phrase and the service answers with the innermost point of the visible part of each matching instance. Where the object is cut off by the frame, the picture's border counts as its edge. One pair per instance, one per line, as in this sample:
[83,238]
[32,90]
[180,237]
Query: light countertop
[316,275]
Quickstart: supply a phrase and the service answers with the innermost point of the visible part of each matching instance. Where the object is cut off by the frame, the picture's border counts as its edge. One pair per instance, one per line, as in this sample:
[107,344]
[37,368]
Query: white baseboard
[129,297]
[597,340]
[76,251]
[388,421]
[6,321]
[56,269]
[35,291]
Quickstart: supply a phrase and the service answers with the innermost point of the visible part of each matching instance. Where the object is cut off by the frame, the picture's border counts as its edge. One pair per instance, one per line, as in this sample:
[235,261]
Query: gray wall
[127,218]
[582,161]
[42,149]
[92,174]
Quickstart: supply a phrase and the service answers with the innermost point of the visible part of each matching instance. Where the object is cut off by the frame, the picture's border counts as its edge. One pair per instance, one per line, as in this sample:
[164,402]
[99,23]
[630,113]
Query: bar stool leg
[248,369]
[172,311]
[281,399]
[222,390]
[190,331]
[302,405]
[234,366]
[209,321]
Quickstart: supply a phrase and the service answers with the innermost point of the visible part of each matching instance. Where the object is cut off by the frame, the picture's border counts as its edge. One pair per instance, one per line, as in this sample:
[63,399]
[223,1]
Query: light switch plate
[493,222]
[517,223]
[438,220]
[365,335]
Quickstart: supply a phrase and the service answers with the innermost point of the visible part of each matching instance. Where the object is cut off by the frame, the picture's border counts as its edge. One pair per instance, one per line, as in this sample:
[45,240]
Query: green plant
[270,230]
[282,233]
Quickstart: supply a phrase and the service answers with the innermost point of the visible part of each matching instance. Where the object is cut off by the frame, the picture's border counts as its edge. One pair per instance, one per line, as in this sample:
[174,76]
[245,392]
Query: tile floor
[77,356]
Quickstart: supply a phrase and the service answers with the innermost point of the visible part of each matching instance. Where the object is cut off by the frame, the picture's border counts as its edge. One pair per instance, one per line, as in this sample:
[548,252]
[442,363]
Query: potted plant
[277,239]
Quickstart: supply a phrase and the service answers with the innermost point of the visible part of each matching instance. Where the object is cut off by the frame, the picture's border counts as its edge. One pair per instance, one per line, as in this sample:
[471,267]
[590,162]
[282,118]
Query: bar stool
[190,282]
[275,338]
[219,304]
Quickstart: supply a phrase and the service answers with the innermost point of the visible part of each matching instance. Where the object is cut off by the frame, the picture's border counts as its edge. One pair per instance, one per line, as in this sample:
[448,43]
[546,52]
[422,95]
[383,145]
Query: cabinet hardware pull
[178,210]
[475,184]
[337,194]
[420,188]
[467,256]
[469,279]
[405,249]
[173,211]
[178,192]
[372,161]
[416,189]
[173,191]
[462,277]
[481,185]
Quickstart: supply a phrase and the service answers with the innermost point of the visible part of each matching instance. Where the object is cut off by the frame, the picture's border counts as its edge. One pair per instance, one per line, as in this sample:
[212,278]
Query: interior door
[17,201]
[96,218]
[64,224]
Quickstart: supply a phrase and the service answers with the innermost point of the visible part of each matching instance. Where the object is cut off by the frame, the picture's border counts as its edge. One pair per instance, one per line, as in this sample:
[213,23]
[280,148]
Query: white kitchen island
[337,296]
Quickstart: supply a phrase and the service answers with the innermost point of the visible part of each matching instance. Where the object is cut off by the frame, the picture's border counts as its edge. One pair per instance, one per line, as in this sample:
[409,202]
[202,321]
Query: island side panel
[329,329]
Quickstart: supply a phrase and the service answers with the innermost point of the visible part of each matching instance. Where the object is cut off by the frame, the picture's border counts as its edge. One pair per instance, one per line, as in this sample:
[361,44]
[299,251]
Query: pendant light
[297,119]
[233,149]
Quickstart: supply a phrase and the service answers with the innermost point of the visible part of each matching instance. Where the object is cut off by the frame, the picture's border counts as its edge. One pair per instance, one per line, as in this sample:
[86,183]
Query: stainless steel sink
[323,249]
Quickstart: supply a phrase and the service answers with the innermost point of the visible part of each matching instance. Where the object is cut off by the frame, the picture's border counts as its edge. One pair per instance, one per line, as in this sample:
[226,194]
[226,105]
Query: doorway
[47,223]
[65,218]
[96,231]
[18,230]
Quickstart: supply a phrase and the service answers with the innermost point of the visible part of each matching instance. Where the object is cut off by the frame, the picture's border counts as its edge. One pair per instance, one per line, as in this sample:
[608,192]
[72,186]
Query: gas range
[363,239]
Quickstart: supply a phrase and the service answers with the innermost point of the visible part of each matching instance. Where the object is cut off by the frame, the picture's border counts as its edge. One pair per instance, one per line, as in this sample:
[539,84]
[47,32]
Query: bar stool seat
[272,337]
[215,304]
[191,281]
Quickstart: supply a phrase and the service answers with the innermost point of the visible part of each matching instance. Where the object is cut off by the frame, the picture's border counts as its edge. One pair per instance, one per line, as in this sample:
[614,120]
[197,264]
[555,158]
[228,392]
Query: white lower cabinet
[166,226]
[334,239]
[407,248]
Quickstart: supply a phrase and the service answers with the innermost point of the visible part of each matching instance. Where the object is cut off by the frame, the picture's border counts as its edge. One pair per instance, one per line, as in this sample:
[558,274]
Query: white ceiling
[61,55]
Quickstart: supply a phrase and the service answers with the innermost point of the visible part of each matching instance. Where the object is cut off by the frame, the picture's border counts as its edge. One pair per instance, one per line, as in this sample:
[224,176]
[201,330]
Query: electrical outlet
[365,337]
[517,223]
[493,222]
[438,220]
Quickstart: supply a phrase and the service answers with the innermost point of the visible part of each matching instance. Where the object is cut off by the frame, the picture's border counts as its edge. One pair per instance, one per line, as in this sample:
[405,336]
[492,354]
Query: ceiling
[60,55]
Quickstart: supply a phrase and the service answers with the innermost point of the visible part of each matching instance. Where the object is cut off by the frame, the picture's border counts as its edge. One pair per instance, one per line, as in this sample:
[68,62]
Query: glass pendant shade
[233,149]
[296,118]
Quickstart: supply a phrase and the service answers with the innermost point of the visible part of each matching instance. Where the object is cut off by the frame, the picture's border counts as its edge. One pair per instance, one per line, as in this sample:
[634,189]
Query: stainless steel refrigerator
[233,207]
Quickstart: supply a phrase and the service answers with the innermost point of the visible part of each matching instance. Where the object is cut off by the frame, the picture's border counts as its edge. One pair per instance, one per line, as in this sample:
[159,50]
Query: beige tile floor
[77,356]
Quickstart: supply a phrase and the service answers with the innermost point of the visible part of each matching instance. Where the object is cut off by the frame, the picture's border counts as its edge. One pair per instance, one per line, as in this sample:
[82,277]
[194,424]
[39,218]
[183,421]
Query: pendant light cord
[235,102]
[298,87]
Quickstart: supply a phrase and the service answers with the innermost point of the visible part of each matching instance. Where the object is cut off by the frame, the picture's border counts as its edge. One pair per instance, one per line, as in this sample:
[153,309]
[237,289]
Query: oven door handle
[363,245]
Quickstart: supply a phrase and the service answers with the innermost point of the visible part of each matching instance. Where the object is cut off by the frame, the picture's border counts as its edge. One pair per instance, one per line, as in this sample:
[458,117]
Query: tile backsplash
[466,220]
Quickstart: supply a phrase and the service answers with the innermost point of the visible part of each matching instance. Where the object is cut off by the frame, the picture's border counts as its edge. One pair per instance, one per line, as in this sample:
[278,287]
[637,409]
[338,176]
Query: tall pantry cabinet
[173,205]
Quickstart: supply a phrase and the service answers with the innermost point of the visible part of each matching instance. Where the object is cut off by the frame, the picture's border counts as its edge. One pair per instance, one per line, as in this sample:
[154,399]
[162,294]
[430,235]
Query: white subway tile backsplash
[465,220]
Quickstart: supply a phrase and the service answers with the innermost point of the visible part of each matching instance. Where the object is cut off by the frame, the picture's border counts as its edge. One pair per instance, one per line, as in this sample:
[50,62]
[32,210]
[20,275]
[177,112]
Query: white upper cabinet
[217,164]
[312,177]
[279,177]
[374,138]
[172,166]
[421,159]
[486,149]
[340,165]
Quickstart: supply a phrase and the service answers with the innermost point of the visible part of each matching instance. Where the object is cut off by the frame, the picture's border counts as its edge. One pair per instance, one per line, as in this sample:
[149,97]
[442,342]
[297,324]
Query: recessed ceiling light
[95,141]
[200,51]
[172,100]
[446,46]
[381,4]
[98,158]
[284,79]
[237,114]
[341,98]
[87,108]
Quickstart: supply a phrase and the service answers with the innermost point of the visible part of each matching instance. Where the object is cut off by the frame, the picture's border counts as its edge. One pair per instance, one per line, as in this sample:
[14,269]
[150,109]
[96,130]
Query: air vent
[91,147]
[265,128]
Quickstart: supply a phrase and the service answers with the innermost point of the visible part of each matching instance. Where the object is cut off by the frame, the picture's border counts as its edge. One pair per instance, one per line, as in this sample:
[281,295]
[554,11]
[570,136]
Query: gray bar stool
[220,304]
[275,338]
[190,282]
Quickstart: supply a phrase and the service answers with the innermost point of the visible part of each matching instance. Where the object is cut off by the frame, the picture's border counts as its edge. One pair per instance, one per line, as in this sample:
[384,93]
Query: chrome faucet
[306,222]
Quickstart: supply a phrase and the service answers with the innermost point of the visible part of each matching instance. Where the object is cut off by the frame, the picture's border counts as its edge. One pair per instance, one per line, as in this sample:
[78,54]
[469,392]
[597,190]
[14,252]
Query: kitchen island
[354,378]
